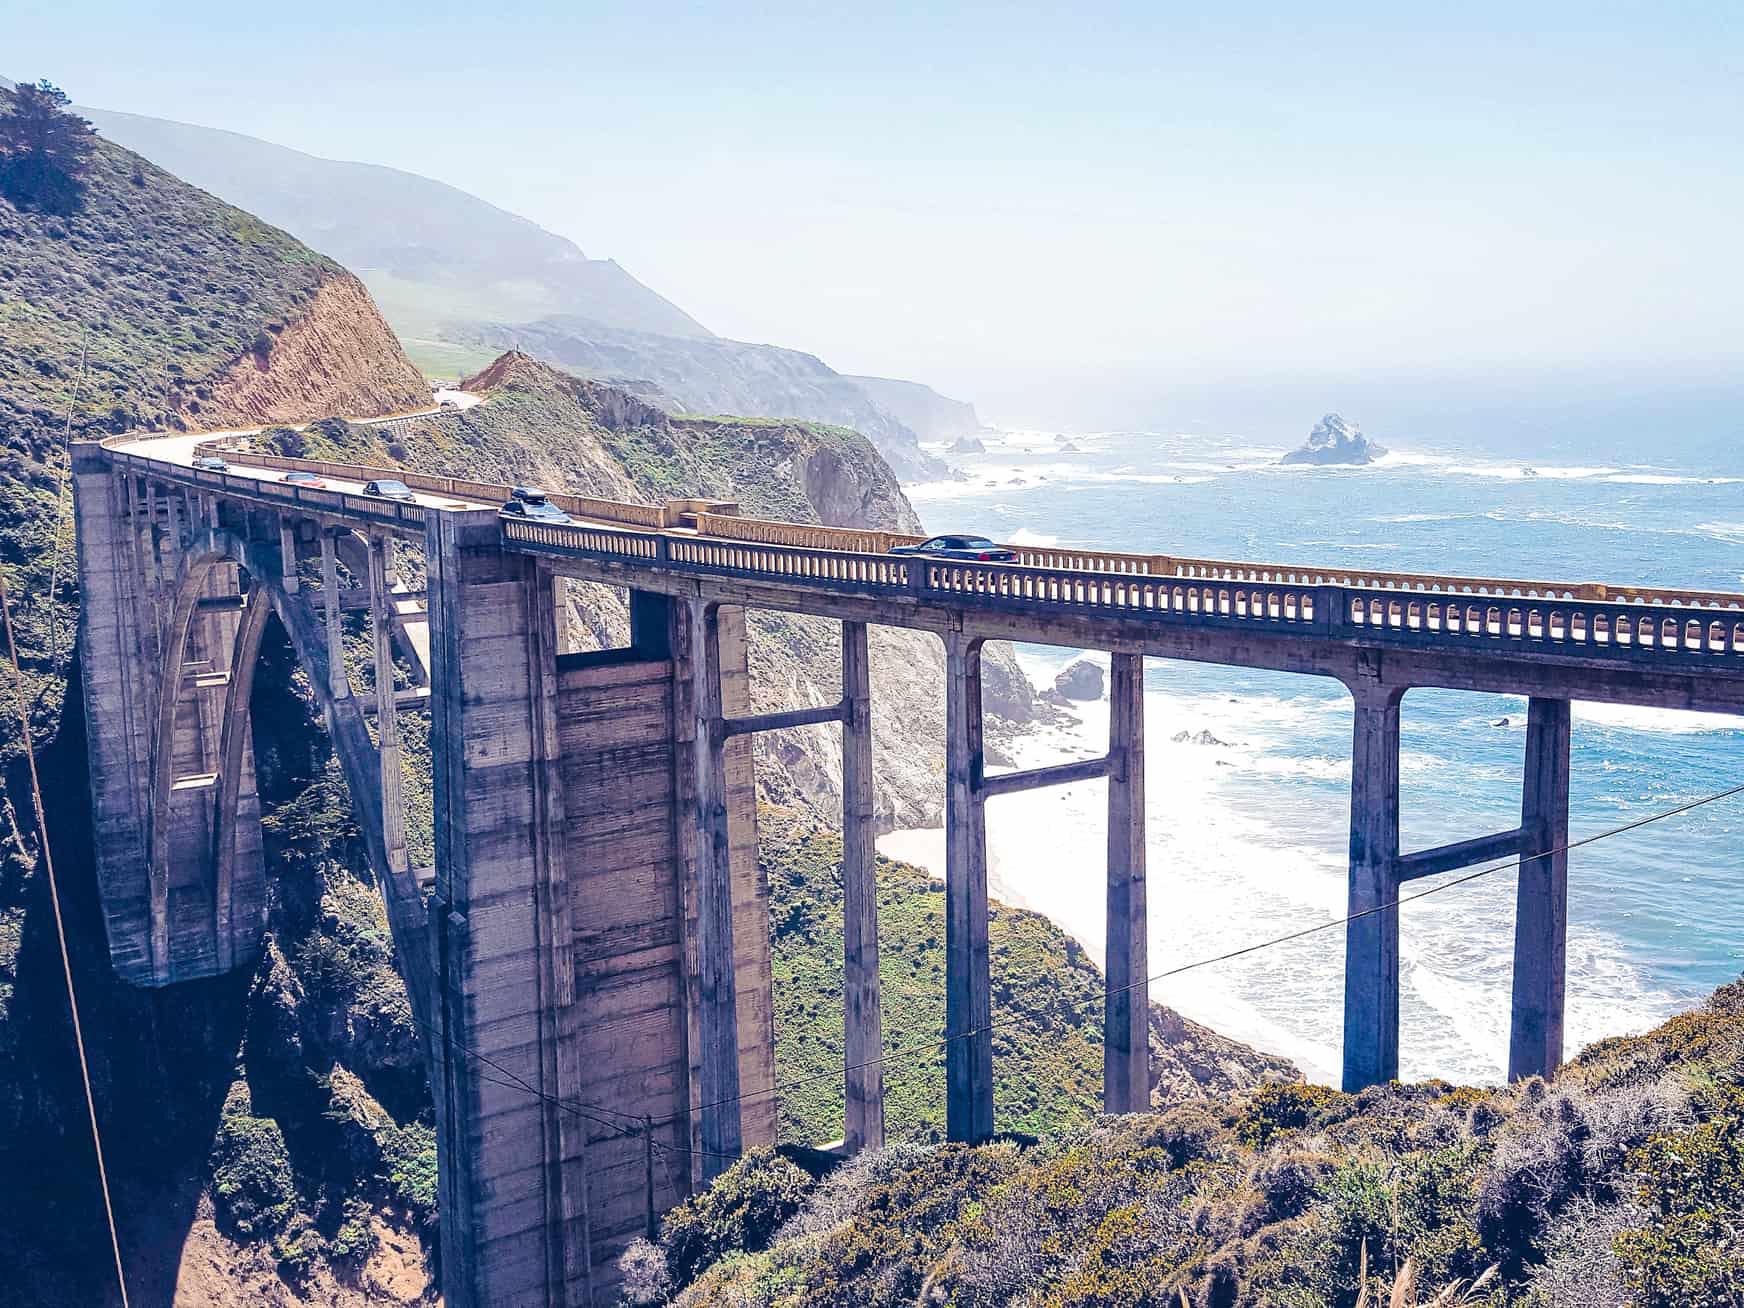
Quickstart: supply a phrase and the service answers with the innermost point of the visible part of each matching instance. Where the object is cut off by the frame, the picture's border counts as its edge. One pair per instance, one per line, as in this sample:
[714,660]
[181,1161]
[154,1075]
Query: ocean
[1247,828]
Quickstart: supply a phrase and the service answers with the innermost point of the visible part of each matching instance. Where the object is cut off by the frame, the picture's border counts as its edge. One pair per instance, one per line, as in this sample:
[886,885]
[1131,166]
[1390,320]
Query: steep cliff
[931,416]
[337,356]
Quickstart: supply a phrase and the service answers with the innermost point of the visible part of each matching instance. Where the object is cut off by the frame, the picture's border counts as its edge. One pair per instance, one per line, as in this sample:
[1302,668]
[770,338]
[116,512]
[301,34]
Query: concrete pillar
[862,1001]
[1541,914]
[288,554]
[1371,942]
[1126,1070]
[337,680]
[387,724]
[968,980]
[512,1163]
[717,1018]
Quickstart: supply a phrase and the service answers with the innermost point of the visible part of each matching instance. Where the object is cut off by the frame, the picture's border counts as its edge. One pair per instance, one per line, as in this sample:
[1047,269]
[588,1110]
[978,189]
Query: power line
[930,1045]
[61,933]
[587,1111]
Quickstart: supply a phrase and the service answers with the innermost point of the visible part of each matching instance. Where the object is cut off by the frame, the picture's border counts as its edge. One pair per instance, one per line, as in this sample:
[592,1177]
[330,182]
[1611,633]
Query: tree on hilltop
[44,149]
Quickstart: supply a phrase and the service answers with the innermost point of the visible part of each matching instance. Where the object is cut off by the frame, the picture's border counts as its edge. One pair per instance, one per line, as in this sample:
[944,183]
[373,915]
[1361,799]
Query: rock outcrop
[931,416]
[1335,441]
[337,356]
[1081,680]
[968,445]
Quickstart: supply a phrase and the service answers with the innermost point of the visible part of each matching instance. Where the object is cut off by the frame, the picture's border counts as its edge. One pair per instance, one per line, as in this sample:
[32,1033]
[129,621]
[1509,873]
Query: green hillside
[1621,1183]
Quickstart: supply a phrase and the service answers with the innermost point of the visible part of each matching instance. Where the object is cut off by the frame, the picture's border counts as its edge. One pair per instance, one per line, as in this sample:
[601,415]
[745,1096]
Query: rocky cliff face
[337,356]
[1335,441]
[931,416]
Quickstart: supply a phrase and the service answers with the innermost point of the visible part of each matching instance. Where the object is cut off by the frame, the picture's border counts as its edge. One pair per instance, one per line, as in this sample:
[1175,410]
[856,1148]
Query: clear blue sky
[975,193]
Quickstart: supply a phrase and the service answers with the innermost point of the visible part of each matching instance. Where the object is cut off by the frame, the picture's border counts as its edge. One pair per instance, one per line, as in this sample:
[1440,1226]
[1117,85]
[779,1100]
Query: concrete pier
[1541,915]
[1126,1047]
[862,1002]
[1371,957]
[968,980]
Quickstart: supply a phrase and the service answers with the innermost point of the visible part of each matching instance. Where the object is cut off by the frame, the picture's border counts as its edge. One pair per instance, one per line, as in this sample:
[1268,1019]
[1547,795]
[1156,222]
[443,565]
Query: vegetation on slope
[1047,1000]
[1622,1182]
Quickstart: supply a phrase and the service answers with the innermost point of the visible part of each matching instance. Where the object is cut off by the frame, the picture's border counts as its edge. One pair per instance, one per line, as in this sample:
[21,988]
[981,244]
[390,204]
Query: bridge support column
[512,1162]
[717,1017]
[1541,914]
[968,980]
[862,999]
[337,680]
[1371,948]
[1126,1062]
[387,723]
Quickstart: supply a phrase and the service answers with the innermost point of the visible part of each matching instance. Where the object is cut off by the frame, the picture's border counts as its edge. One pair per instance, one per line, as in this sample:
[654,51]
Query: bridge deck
[1588,640]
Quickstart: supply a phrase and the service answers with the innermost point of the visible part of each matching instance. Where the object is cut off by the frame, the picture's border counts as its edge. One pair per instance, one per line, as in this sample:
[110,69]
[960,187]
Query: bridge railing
[1311,604]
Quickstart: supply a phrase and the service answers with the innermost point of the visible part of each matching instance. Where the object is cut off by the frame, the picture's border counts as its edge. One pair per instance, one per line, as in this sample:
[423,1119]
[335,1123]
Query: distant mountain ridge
[460,279]
[714,376]
[379,220]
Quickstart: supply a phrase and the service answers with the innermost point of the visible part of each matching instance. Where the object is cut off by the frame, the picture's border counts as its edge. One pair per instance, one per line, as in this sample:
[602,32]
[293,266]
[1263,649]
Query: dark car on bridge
[974,549]
[533,506]
[388,488]
[211,463]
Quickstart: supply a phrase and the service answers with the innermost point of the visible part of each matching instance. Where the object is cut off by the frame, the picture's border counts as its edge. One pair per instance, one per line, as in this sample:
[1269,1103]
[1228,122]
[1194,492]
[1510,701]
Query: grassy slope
[1047,1062]
[1621,1182]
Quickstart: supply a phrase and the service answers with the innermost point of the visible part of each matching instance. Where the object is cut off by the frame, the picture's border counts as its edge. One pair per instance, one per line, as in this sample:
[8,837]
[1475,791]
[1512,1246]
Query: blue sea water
[1247,837]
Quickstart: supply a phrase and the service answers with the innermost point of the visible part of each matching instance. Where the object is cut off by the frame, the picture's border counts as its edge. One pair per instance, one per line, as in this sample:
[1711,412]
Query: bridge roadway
[598,921]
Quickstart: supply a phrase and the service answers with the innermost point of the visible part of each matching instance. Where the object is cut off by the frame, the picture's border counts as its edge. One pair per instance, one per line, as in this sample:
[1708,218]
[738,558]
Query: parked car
[535,510]
[975,549]
[211,463]
[388,488]
[307,480]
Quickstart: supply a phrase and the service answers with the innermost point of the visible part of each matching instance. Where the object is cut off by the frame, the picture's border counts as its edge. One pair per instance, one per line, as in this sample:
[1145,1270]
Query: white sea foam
[1677,722]
[1037,539]
[1236,874]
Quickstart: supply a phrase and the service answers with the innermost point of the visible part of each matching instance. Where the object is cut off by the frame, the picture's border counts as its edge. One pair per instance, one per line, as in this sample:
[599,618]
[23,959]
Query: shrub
[1691,1248]
[355,1240]
[646,1280]
[742,1210]
[253,1190]
[1274,1109]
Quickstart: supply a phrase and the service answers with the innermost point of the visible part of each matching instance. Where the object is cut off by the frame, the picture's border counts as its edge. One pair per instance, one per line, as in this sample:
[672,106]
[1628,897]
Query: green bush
[253,1189]
[1275,1109]
[1691,1251]
[742,1210]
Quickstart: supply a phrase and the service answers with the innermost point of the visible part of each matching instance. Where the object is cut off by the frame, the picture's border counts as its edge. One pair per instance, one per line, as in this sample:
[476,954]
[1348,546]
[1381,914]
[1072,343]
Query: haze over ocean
[1247,837]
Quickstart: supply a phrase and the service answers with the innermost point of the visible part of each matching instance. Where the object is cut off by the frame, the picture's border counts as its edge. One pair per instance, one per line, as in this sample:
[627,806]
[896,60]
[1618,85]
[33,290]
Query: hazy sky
[984,196]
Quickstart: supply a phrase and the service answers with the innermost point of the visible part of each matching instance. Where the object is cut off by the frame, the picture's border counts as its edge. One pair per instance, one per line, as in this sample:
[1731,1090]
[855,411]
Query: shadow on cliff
[160,1060]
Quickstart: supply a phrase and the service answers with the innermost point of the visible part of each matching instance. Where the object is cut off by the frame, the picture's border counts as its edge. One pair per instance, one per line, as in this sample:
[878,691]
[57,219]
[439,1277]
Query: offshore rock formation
[1335,441]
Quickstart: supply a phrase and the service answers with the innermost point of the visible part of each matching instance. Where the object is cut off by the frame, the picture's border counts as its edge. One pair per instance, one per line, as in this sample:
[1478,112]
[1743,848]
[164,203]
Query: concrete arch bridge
[594,926]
